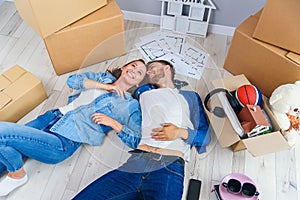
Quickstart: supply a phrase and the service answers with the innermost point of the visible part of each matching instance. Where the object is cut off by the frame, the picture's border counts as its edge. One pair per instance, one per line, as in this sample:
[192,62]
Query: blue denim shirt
[78,126]
[200,135]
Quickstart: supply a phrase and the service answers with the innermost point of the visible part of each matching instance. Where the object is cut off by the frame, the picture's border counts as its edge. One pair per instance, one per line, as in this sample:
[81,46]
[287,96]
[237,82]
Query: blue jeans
[33,140]
[159,180]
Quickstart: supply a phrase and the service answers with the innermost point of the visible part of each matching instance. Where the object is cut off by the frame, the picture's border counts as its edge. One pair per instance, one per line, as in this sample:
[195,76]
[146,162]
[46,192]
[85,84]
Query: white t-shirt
[165,105]
[85,97]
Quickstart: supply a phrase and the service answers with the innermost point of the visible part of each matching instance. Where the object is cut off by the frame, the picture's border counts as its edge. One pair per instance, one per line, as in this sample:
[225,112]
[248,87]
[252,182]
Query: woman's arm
[129,132]
[89,80]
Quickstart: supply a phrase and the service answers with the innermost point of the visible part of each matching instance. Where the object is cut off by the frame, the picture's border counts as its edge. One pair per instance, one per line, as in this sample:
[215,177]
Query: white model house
[186,16]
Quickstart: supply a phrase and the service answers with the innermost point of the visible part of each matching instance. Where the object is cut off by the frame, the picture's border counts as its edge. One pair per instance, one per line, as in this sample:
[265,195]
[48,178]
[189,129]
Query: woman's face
[134,72]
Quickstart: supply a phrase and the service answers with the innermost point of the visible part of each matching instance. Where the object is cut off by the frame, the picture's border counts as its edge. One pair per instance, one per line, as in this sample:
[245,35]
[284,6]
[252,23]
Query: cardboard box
[266,66]
[20,92]
[49,16]
[279,24]
[96,37]
[226,135]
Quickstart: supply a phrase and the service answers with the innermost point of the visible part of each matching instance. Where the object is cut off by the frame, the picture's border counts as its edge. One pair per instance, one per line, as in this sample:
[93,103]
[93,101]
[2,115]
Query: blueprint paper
[187,59]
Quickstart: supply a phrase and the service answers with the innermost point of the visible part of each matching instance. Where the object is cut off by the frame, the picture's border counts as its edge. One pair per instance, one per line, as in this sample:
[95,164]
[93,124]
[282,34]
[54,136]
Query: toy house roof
[251,117]
[195,3]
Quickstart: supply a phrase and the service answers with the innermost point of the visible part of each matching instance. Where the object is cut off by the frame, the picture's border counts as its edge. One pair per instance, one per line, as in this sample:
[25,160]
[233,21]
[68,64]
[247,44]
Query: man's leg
[165,183]
[116,184]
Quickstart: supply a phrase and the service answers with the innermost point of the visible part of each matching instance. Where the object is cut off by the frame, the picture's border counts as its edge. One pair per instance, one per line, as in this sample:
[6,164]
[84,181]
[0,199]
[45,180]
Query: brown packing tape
[4,82]
[294,57]
[4,100]
[14,73]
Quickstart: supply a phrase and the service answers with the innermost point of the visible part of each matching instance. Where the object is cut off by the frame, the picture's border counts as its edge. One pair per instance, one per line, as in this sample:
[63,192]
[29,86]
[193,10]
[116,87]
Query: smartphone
[194,188]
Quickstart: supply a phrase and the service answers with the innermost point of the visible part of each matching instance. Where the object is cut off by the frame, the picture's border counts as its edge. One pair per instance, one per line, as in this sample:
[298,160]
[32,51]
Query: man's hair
[116,72]
[164,62]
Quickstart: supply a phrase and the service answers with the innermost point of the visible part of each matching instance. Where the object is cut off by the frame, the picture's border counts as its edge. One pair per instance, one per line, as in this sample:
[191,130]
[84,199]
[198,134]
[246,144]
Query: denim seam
[28,139]
[116,197]
[172,171]
[8,161]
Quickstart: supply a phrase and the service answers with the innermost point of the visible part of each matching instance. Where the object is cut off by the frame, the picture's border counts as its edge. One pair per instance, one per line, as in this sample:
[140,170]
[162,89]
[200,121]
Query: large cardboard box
[94,38]
[20,92]
[266,66]
[226,135]
[49,16]
[279,24]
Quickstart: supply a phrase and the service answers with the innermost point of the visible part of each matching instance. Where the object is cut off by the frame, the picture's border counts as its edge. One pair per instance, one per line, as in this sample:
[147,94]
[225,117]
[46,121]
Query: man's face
[155,72]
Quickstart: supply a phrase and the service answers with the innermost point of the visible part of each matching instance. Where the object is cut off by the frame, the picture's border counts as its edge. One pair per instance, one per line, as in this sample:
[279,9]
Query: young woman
[100,105]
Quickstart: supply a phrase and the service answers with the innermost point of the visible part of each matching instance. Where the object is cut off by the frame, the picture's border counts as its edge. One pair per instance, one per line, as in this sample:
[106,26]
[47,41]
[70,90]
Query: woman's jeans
[160,179]
[33,140]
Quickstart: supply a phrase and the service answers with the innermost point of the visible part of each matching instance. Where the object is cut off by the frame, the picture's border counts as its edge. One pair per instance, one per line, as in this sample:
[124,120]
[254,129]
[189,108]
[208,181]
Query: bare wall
[228,13]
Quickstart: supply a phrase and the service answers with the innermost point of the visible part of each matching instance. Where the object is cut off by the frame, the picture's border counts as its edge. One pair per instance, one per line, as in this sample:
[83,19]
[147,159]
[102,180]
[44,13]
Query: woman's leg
[17,141]
[2,169]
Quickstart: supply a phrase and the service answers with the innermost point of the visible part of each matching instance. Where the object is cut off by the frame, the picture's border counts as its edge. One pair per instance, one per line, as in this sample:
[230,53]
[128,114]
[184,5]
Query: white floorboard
[276,174]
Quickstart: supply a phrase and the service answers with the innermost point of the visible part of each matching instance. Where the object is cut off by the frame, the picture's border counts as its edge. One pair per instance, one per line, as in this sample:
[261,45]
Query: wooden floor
[276,174]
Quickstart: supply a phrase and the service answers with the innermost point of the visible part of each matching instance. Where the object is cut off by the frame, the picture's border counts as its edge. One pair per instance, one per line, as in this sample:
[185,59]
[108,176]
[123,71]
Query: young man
[172,122]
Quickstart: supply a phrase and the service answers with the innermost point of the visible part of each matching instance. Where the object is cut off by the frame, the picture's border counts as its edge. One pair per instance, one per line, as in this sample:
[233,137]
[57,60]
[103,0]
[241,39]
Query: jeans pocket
[175,168]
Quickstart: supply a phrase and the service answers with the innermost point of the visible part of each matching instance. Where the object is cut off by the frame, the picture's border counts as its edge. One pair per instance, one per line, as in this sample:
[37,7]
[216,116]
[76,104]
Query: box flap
[4,100]
[231,83]
[279,24]
[259,146]
[4,82]
[21,86]
[294,57]
[14,73]
[47,17]
[109,11]
[221,126]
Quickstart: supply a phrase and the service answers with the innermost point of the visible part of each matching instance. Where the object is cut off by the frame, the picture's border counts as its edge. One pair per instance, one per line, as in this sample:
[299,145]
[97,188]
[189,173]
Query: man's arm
[199,136]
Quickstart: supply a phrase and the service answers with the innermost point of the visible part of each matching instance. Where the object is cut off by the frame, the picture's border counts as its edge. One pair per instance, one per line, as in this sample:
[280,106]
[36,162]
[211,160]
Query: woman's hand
[168,131]
[91,84]
[100,118]
[113,88]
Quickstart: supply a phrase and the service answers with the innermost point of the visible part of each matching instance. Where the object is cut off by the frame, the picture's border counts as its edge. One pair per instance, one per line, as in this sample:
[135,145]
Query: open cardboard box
[92,39]
[49,16]
[226,135]
[20,92]
[279,24]
[266,66]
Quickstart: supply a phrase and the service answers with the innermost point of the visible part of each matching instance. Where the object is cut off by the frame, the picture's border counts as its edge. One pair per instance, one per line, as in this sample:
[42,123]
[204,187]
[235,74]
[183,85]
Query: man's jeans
[159,180]
[33,140]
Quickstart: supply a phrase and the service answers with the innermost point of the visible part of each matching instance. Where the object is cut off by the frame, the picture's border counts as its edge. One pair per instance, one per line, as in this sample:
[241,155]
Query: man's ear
[167,68]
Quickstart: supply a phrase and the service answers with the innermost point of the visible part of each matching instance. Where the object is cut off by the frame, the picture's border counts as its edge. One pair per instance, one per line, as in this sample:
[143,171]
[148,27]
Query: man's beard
[159,75]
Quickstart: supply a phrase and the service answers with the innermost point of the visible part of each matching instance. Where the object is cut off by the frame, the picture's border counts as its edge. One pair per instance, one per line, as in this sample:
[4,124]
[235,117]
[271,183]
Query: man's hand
[169,131]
